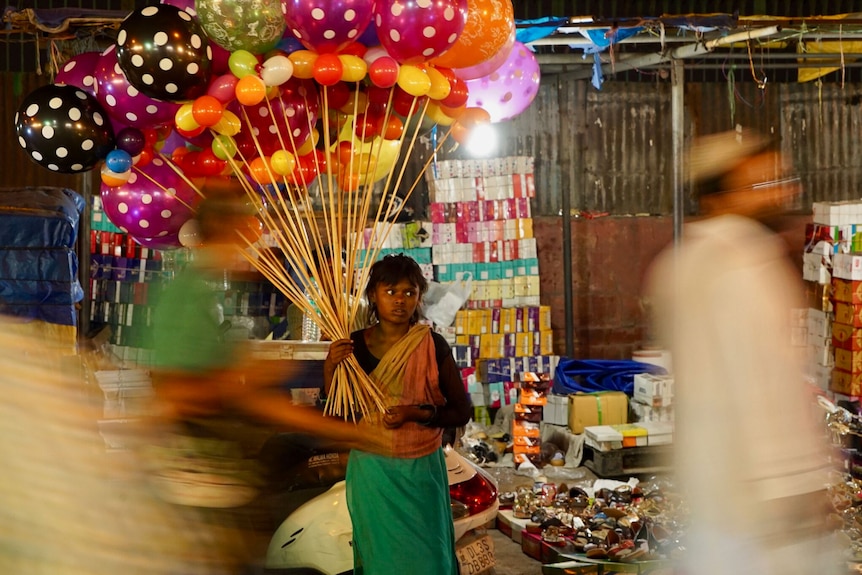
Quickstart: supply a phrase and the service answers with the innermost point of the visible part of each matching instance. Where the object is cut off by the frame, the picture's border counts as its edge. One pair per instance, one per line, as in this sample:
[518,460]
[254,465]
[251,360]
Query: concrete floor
[509,557]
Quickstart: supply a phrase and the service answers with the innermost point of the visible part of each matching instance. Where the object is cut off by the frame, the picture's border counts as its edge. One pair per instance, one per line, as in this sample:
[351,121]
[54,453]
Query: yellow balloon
[357,104]
[413,80]
[303,63]
[354,68]
[282,162]
[440,86]
[370,171]
[309,144]
[184,118]
[229,125]
[436,114]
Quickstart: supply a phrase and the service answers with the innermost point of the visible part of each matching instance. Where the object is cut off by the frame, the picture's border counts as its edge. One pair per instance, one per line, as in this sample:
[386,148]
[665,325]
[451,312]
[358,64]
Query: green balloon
[253,25]
[242,63]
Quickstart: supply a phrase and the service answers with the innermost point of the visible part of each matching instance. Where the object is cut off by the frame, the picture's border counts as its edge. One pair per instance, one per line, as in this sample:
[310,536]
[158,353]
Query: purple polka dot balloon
[414,31]
[63,129]
[327,26]
[126,103]
[153,204]
[79,71]
[508,90]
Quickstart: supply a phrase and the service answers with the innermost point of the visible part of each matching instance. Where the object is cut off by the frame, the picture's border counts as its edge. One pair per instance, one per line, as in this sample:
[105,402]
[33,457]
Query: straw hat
[716,154]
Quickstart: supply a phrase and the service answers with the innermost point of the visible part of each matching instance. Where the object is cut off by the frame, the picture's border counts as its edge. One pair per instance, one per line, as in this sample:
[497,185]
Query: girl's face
[396,303]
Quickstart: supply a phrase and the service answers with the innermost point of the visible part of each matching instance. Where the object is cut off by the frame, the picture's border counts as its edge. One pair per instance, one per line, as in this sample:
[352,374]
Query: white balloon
[276,70]
[190,234]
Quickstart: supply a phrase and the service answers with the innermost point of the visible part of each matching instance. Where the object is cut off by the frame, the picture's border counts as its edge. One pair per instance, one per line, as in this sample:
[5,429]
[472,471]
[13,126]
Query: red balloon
[377,95]
[457,94]
[189,134]
[383,72]
[403,103]
[366,127]
[305,171]
[328,69]
[145,157]
[339,94]
[208,164]
[355,49]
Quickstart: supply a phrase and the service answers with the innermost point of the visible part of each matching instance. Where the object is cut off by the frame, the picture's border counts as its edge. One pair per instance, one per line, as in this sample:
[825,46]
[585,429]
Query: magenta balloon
[223,88]
[414,32]
[123,101]
[186,5]
[508,90]
[168,242]
[220,59]
[326,26]
[152,204]
[79,71]
[294,112]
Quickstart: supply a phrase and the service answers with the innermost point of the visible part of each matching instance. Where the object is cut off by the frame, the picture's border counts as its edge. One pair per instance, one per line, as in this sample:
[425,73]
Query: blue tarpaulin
[592,375]
[38,262]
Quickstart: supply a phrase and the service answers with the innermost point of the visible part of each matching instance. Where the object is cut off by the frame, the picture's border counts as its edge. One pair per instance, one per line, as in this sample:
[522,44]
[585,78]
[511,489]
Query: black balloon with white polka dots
[164,53]
[63,129]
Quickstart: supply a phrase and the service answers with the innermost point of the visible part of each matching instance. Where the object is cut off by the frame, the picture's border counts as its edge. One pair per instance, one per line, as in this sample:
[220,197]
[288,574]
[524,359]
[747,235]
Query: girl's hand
[396,416]
[339,350]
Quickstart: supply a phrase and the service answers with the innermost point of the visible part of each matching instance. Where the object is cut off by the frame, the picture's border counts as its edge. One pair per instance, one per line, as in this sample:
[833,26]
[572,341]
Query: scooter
[316,536]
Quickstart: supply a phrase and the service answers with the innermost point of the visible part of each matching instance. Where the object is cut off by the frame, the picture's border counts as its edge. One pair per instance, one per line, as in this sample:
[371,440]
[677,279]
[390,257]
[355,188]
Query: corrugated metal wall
[634,8]
[611,149]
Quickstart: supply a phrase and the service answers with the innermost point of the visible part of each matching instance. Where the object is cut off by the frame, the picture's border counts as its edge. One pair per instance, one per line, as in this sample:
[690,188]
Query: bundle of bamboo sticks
[319,233]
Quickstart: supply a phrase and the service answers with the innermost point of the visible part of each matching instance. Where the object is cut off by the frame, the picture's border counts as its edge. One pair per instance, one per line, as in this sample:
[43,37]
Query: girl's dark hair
[389,271]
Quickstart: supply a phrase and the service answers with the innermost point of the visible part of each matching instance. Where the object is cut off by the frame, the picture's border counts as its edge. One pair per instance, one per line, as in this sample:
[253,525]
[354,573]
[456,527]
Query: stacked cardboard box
[652,398]
[526,425]
[846,333]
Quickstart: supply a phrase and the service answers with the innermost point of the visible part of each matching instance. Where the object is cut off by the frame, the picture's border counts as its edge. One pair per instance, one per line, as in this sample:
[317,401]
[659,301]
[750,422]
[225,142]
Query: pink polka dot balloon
[326,26]
[79,71]
[168,242]
[414,31]
[509,89]
[126,103]
[281,123]
[153,204]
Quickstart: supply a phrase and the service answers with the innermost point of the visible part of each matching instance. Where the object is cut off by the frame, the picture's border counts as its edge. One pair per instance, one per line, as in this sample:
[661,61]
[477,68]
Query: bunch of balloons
[274,91]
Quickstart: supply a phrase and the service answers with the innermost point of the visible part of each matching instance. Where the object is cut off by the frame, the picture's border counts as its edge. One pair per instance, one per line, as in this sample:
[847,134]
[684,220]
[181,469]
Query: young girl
[399,504]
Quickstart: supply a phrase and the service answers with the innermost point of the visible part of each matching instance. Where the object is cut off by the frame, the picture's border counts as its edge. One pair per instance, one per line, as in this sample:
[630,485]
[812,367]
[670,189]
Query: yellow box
[545,342]
[848,360]
[848,314]
[524,343]
[507,320]
[525,228]
[604,408]
[474,322]
[544,317]
[846,382]
[847,291]
[462,322]
[846,336]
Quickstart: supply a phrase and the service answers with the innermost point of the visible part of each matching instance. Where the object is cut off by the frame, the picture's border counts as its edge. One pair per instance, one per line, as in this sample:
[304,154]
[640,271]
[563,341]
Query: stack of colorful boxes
[481,226]
[526,425]
[827,325]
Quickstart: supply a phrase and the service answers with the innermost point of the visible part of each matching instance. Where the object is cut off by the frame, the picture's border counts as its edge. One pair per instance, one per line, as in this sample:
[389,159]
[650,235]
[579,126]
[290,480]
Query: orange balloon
[259,170]
[207,111]
[490,25]
[464,125]
[349,181]
[250,91]
[303,63]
